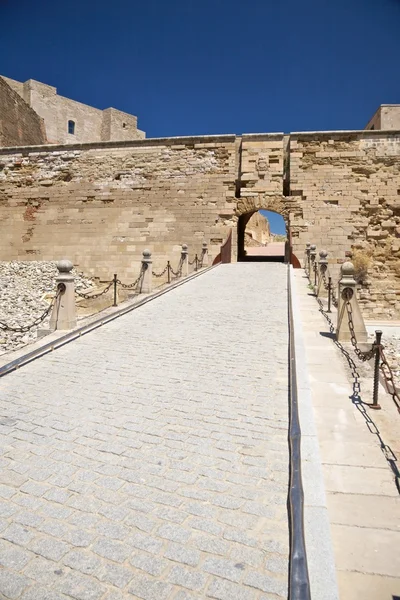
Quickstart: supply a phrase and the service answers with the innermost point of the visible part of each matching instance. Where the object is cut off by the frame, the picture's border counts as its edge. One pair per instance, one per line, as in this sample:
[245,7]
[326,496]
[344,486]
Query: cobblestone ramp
[149,459]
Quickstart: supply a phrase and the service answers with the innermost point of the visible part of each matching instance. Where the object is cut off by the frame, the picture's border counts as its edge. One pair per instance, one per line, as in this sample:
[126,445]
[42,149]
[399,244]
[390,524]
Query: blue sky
[193,67]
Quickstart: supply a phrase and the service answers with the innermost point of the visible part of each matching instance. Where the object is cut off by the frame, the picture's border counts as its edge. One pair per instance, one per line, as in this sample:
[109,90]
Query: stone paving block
[81,587]
[182,554]
[224,568]
[193,580]
[38,592]
[43,571]
[173,532]
[49,547]
[112,550]
[17,534]
[13,557]
[116,575]
[249,556]
[150,589]
[149,564]
[170,514]
[111,530]
[82,561]
[266,583]
[211,544]
[12,585]
[206,525]
[237,535]
[78,537]
[222,589]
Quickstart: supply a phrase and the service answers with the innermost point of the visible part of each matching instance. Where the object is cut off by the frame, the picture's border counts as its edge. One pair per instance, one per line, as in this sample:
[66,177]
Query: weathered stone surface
[105,204]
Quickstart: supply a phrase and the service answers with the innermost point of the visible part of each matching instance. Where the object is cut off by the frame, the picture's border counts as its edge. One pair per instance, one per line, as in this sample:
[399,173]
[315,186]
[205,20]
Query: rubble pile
[26,289]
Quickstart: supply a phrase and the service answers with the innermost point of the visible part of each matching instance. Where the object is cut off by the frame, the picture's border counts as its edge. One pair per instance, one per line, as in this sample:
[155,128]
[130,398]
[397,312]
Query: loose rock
[26,290]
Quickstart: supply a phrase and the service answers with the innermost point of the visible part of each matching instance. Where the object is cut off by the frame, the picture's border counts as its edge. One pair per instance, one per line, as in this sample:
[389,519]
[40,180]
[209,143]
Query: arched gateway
[248,205]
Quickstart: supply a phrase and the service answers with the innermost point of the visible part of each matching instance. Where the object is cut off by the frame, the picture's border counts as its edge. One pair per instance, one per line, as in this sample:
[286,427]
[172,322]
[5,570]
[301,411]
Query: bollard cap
[308,246]
[184,247]
[205,245]
[323,254]
[64,265]
[146,253]
[313,247]
[347,269]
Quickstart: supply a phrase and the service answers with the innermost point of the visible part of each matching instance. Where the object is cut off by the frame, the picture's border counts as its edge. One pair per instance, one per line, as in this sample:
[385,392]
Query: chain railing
[131,286]
[36,322]
[63,314]
[90,296]
[362,355]
[376,351]
[137,285]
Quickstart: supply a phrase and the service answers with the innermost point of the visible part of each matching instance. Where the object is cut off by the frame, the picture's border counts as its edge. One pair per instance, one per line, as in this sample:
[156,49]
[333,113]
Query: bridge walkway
[149,458]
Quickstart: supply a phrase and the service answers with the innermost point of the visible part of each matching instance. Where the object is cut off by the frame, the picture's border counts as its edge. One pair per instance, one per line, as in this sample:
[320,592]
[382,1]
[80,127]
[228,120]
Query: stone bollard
[64,314]
[185,260]
[147,281]
[348,292]
[313,256]
[204,255]
[323,268]
[307,257]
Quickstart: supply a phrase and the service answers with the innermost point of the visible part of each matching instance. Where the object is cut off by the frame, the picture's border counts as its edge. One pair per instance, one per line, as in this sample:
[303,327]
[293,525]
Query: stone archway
[248,205]
[278,204]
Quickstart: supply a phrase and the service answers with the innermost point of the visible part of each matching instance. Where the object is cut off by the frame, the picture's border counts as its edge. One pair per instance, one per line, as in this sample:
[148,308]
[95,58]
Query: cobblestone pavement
[149,458]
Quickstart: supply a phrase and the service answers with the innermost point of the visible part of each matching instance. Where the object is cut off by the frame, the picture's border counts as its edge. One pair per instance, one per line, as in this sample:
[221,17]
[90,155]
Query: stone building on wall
[67,121]
[386,117]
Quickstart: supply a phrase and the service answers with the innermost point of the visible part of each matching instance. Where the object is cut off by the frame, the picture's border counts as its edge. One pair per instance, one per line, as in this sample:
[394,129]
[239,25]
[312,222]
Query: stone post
[307,256]
[147,281]
[323,268]
[204,255]
[348,292]
[313,256]
[185,260]
[64,314]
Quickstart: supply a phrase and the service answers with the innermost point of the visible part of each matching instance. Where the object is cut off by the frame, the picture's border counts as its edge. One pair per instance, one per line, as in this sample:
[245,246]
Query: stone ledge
[343,133]
[168,141]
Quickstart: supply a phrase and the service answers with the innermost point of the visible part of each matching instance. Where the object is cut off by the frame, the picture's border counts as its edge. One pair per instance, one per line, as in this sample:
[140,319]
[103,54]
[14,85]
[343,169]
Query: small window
[372,127]
[71,127]
[124,125]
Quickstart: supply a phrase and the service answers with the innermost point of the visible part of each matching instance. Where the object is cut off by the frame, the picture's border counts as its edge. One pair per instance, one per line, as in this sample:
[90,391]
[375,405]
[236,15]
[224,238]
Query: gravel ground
[26,289]
[392,352]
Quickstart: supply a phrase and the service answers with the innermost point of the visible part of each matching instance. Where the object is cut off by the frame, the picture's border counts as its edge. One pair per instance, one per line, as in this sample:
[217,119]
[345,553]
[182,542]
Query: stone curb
[321,562]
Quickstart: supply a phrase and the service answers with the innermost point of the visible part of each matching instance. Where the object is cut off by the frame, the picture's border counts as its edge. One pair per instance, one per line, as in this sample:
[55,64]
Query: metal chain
[191,263]
[389,378]
[135,284]
[350,361]
[366,355]
[178,273]
[94,296]
[356,398]
[35,323]
[160,274]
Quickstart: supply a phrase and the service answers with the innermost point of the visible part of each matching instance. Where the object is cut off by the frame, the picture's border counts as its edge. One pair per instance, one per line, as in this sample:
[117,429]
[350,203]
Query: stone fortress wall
[19,124]
[90,124]
[101,204]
